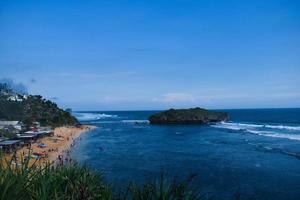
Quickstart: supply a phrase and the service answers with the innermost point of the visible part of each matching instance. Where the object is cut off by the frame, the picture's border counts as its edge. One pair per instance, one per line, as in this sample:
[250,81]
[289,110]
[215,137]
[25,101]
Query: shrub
[75,182]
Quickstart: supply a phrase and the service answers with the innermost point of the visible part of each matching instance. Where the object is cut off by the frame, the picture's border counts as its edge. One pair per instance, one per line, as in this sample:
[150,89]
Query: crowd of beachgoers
[54,149]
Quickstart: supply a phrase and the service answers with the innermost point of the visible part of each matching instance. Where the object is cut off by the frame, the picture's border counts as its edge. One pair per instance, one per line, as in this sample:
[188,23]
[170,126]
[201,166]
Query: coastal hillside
[32,108]
[188,116]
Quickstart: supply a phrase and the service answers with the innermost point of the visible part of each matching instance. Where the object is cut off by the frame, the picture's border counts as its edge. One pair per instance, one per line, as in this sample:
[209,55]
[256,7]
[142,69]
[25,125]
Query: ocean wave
[93,116]
[136,121]
[253,128]
[105,122]
[285,136]
[293,128]
[244,125]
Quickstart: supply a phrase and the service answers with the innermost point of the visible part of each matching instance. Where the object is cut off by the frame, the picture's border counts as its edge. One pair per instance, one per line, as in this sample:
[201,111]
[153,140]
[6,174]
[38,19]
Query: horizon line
[121,110]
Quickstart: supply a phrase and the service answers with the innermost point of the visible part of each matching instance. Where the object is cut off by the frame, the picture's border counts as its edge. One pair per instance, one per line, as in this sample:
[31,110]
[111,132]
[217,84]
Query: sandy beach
[56,148]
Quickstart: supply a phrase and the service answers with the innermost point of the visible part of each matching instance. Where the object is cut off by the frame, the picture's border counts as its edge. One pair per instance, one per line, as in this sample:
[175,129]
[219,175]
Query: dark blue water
[256,153]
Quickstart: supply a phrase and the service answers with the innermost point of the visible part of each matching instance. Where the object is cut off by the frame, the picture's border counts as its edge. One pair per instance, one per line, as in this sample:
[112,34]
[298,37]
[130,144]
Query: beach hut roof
[38,132]
[30,132]
[9,142]
[7,123]
[27,136]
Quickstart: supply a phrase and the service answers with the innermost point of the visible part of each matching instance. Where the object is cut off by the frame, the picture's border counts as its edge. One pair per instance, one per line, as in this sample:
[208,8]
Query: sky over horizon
[137,55]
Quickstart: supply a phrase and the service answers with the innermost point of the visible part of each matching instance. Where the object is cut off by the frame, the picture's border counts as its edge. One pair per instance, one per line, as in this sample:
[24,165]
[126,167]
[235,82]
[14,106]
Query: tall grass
[75,182]
[164,189]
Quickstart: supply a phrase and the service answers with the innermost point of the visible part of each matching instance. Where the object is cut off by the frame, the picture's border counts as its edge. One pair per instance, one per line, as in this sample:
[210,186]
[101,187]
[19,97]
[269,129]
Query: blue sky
[124,55]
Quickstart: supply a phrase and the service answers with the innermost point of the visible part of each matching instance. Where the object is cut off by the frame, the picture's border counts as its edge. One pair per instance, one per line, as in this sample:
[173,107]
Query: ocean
[256,153]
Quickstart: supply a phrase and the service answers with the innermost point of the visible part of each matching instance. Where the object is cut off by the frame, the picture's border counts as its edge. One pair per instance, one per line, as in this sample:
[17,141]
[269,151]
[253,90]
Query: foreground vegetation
[74,182]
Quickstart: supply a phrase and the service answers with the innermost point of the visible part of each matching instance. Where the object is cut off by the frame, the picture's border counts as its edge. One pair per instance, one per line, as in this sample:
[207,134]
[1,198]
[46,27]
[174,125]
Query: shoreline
[57,147]
[71,136]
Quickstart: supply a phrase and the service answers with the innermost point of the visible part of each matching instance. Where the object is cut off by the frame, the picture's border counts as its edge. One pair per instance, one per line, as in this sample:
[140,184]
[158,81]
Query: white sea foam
[93,116]
[282,135]
[258,129]
[136,121]
[243,125]
[227,126]
[293,128]
[259,132]
[104,122]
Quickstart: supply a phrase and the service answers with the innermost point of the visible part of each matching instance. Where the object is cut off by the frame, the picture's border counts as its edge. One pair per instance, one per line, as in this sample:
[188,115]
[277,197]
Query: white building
[16,124]
[17,97]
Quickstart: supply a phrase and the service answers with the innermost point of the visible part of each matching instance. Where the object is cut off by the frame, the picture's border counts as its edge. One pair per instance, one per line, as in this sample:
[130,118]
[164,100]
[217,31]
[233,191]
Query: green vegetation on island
[188,116]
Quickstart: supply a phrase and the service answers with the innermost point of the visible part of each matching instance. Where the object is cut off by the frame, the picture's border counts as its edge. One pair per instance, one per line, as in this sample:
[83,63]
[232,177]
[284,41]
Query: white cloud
[109,75]
[113,99]
[176,98]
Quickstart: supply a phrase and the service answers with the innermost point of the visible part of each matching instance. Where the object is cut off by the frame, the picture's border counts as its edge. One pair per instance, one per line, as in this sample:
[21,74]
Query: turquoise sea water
[256,153]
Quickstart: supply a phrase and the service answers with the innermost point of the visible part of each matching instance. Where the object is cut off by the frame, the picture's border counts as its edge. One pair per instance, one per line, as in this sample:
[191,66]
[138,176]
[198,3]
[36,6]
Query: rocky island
[188,116]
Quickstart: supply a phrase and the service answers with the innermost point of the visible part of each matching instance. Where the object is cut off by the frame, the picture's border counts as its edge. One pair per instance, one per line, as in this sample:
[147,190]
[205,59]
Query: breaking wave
[243,125]
[136,121]
[93,116]
[275,131]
